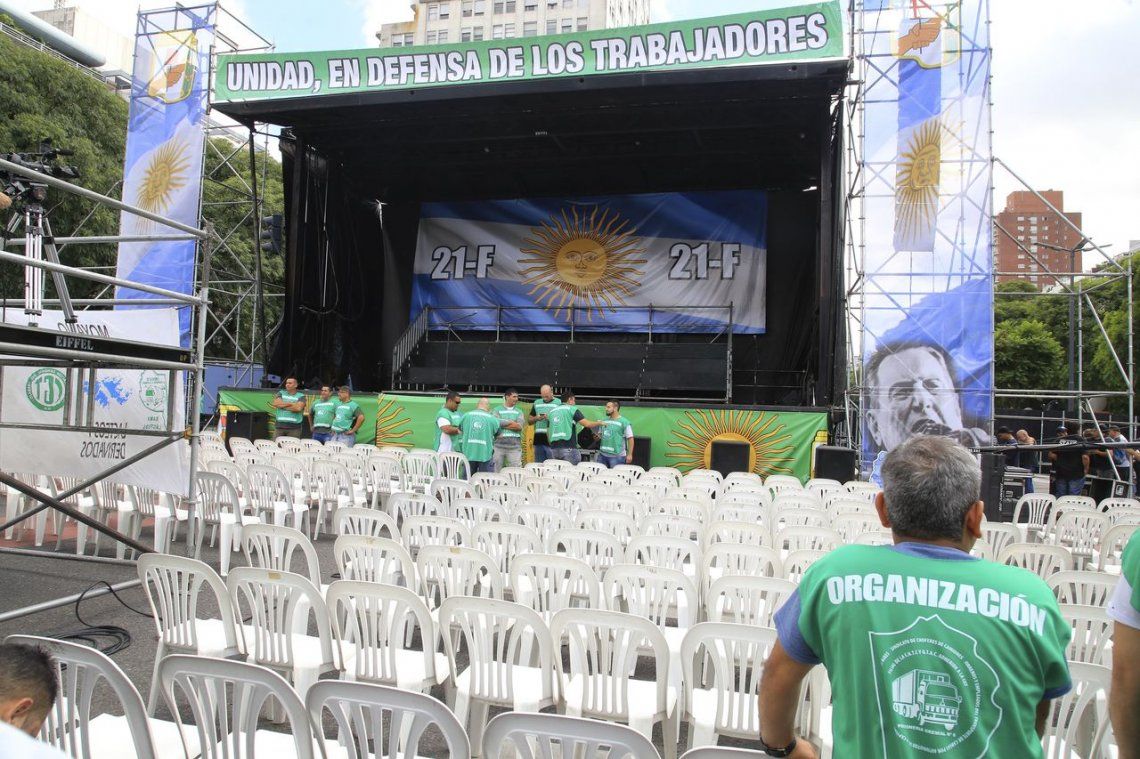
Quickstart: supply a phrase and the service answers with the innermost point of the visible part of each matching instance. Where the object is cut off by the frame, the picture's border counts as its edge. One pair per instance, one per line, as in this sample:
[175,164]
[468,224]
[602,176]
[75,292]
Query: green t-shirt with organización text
[344,415]
[285,416]
[478,430]
[614,434]
[323,412]
[930,652]
[543,407]
[445,416]
[509,438]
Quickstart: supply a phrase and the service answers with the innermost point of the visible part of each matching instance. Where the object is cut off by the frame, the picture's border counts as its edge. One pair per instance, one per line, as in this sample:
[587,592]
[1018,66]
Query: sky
[1066,91]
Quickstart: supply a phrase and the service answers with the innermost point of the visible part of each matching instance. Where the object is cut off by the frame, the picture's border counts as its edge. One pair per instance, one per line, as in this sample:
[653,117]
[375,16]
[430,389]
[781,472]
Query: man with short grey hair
[929,650]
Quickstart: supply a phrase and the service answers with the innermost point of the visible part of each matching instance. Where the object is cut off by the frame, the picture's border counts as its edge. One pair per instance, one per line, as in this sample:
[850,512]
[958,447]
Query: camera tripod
[38,242]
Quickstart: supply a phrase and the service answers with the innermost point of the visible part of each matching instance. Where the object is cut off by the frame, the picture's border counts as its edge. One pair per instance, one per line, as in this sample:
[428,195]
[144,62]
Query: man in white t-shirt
[447,421]
[28,689]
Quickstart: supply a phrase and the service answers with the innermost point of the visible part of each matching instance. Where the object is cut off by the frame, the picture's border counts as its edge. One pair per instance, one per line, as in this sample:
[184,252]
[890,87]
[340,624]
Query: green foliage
[1027,356]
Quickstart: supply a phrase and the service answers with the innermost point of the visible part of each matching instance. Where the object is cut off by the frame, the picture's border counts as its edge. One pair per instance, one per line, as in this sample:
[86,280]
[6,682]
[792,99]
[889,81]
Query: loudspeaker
[993,472]
[252,425]
[833,462]
[729,456]
[641,450]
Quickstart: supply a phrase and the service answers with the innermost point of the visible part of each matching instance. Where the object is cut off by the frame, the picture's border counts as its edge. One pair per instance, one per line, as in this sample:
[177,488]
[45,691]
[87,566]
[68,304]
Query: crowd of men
[330,419]
[1083,455]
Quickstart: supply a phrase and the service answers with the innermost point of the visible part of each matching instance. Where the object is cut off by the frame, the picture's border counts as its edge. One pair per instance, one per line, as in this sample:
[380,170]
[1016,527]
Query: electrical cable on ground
[95,635]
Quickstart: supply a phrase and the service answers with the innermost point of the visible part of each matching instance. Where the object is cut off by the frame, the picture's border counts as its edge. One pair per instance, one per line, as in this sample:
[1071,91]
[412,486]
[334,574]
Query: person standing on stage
[347,418]
[478,430]
[290,405]
[321,415]
[447,421]
[508,443]
[617,437]
[538,417]
[563,432]
[1122,457]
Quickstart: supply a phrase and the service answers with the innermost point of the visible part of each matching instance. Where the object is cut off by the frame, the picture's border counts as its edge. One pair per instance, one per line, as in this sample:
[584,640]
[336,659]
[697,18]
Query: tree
[1027,356]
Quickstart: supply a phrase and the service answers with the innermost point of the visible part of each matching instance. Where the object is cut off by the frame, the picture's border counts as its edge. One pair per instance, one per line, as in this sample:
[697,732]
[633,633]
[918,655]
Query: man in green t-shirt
[290,406]
[477,436]
[347,418]
[563,433]
[617,437]
[447,421]
[930,651]
[508,443]
[1124,609]
[538,417]
[321,415]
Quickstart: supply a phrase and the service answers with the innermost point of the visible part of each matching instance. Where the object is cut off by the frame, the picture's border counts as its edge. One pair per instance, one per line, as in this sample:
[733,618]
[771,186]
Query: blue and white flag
[696,259]
[165,140]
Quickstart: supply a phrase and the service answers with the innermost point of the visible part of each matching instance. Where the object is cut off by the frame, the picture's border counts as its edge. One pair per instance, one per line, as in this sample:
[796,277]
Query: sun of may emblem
[769,443]
[582,259]
[165,174]
[916,193]
[391,425]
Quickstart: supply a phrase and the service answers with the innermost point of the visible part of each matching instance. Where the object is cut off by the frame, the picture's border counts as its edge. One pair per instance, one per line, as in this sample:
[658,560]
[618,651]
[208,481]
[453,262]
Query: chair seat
[410,669]
[110,738]
[702,710]
[642,705]
[268,743]
[527,683]
[306,649]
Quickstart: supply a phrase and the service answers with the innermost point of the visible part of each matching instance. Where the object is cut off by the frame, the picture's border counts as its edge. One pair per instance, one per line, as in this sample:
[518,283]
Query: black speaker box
[729,456]
[641,449]
[834,462]
[993,472]
[252,425]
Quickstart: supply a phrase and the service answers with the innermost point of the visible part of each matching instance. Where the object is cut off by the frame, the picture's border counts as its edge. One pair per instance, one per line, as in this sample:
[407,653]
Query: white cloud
[377,12]
[660,11]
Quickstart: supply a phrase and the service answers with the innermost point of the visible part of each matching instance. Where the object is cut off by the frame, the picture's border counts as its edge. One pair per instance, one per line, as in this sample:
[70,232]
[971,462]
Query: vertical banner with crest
[928,293]
[165,141]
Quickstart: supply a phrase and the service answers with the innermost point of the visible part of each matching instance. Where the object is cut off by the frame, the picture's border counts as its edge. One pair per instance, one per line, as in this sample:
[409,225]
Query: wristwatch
[774,751]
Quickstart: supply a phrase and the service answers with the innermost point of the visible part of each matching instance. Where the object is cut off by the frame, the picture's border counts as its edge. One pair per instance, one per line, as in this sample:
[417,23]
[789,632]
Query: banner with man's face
[928,296]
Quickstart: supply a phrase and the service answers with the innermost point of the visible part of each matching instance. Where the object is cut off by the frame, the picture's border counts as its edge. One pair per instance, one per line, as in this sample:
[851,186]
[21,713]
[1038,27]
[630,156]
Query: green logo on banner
[152,390]
[46,389]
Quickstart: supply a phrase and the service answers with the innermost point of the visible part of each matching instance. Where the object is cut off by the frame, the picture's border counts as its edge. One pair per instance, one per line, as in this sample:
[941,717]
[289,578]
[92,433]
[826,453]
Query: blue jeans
[348,438]
[566,454]
[323,436]
[482,466]
[542,453]
[1068,487]
[609,462]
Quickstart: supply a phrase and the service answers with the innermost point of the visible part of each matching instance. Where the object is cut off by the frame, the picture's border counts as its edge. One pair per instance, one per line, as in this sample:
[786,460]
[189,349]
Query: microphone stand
[447,345]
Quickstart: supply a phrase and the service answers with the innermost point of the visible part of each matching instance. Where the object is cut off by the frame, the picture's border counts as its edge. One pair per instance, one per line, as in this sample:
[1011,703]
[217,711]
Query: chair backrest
[1080,529]
[656,593]
[1112,544]
[544,520]
[274,547]
[376,620]
[447,571]
[482,481]
[622,504]
[1069,502]
[732,655]
[475,511]
[418,532]
[403,505]
[80,671]
[849,525]
[369,559]
[511,497]
[665,551]
[447,490]
[173,585]
[503,541]
[685,528]
[273,601]
[604,648]
[332,479]
[380,722]
[747,600]
[569,504]
[420,468]
[1035,507]
[454,466]
[498,636]
[1043,560]
[736,532]
[226,698]
[797,562]
[267,486]
[621,526]
[816,537]
[539,736]
[216,496]
[356,520]
[999,535]
[1092,633]
[386,473]
[548,583]
[514,475]
[1067,726]
[600,550]
[678,507]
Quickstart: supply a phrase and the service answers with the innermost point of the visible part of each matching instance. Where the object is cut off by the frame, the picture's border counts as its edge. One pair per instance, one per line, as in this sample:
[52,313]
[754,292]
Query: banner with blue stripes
[687,262]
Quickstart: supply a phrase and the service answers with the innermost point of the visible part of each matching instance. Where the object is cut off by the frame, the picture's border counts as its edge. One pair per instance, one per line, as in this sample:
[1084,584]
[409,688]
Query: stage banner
[807,31]
[779,442]
[165,139]
[124,399]
[928,268]
[688,262]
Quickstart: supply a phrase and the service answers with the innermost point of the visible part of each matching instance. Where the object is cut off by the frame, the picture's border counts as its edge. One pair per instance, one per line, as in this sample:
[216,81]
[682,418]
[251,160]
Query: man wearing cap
[1070,464]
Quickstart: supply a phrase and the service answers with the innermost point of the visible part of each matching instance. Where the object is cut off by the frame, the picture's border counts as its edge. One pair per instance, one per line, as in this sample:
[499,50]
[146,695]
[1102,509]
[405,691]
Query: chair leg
[479,712]
[152,697]
[227,545]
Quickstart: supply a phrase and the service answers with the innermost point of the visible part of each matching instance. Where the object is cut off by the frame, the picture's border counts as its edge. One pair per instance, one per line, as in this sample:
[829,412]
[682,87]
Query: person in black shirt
[1070,464]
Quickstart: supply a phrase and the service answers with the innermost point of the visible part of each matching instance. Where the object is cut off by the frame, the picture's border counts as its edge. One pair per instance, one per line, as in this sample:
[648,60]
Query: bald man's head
[483,405]
[547,392]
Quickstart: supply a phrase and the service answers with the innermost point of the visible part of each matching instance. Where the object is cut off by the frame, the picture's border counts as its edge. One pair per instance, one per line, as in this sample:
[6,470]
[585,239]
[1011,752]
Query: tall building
[91,30]
[444,21]
[1037,232]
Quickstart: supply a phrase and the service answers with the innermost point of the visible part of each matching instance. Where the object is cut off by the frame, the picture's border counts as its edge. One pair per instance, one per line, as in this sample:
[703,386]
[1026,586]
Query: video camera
[22,189]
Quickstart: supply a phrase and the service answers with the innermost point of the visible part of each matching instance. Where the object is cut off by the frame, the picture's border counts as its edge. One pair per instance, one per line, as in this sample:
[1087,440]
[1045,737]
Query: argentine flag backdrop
[600,262]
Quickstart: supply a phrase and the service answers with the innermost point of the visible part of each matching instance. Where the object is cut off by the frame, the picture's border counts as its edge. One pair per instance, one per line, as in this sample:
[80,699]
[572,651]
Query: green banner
[804,32]
[378,414]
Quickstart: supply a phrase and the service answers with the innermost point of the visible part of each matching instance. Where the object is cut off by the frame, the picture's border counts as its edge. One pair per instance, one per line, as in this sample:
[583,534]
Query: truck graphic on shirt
[928,697]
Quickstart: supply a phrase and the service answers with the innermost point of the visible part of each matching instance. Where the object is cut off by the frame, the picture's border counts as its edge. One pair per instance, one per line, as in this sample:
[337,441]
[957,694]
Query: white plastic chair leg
[479,713]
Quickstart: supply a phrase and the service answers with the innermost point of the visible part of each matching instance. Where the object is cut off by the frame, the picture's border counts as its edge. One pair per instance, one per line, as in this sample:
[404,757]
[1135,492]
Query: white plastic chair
[721,699]
[226,698]
[604,650]
[797,562]
[665,551]
[1082,587]
[744,478]
[503,541]
[271,546]
[815,537]
[548,583]
[1067,728]
[454,465]
[666,597]
[747,600]
[387,477]
[540,736]
[850,525]
[622,504]
[420,468]
[501,640]
[999,535]
[379,722]
[570,504]
[728,559]
[268,447]
[1036,508]
[173,586]
[1092,633]
[334,487]
[1080,530]
[821,487]
[417,533]
[279,604]
[544,520]
[514,475]
[511,498]
[1071,502]
[447,571]
[475,511]
[218,506]
[678,507]
[1111,548]
[601,550]
[447,491]
[379,560]
[271,494]
[373,624]
[685,528]
[403,505]
[481,482]
[736,532]
[621,526]
[355,520]
[1041,559]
